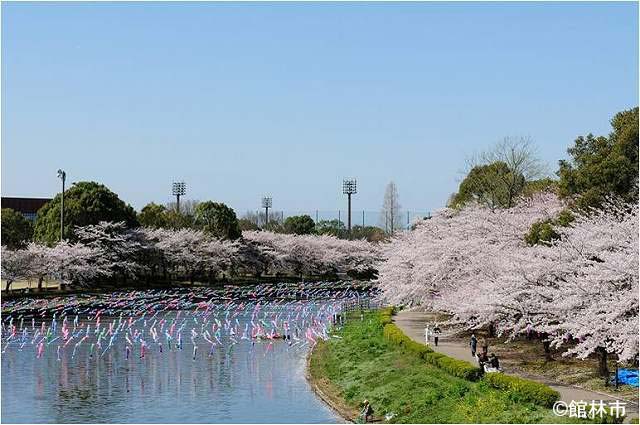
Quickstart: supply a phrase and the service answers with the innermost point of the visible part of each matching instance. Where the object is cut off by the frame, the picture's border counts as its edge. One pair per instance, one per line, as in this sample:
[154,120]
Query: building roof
[24,205]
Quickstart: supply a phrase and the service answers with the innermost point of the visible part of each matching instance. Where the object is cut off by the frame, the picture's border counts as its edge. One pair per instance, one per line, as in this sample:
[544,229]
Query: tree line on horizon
[88,203]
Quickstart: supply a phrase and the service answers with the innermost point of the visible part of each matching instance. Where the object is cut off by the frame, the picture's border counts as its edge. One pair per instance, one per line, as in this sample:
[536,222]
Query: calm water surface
[252,380]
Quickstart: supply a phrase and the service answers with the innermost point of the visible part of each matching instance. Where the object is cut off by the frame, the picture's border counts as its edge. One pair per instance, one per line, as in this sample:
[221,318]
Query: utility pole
[267,201]
[179,189]
[63,176]
[349,188]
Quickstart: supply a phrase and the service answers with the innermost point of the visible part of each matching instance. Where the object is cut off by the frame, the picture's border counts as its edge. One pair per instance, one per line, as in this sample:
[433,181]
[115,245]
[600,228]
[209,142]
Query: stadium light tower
[62,176]
[349,188]
[267,202]
[178,189]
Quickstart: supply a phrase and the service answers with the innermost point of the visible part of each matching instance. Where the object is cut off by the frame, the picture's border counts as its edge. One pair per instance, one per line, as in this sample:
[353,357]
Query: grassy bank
[360,363]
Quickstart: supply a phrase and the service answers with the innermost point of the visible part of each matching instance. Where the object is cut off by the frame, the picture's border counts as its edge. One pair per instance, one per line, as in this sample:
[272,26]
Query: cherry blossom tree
[75,264]
[579,291]
[117,249]
[192,252]
[449,256]
[15,265]
[40,262]
[115,252]
[313,254]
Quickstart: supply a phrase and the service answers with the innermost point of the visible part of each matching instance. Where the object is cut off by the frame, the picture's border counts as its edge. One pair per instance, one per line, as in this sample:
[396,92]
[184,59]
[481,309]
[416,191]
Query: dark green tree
[601,166]
[370,233]
[153,215]
[17,231]
[299,225]
[179,220]
[218,220]
[84,203]
[540,185]
[545,231]
[493,185]
[247,224]
[274,226]
[331,227]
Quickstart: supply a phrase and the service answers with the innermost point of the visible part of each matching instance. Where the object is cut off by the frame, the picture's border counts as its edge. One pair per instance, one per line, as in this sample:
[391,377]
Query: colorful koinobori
[151,322]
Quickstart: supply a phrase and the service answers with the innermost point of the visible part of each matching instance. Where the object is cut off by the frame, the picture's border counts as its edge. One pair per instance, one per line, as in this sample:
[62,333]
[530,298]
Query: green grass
[362,364]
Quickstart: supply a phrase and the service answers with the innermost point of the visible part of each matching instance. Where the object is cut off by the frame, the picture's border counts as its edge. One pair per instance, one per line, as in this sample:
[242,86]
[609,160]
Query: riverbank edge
[322,390]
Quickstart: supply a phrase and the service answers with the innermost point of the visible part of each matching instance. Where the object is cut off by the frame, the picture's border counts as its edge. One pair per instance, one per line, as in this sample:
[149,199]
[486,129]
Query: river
[165,358]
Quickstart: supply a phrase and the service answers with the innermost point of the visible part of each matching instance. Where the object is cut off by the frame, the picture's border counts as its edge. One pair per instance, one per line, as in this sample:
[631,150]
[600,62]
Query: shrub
[459,368]
[432,357]
[523,389]
[454,367]
[385,315]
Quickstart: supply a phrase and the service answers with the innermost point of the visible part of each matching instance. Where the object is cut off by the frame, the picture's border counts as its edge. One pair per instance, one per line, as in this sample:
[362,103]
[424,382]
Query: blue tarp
[628,377]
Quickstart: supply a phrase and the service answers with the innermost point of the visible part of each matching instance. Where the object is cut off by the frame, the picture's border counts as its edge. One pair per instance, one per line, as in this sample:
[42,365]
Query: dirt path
[413,323]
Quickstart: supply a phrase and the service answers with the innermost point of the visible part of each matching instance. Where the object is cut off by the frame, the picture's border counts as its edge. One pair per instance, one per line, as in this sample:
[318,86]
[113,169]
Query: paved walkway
[413,323]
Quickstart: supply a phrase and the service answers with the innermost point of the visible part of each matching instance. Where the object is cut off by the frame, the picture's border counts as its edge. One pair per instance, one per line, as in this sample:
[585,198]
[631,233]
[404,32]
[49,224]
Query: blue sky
[241,99]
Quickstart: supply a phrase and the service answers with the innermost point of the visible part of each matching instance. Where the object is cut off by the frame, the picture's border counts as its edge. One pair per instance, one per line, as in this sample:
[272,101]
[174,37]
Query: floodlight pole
[178,189]
[349,212]
[349,187]
[267,202]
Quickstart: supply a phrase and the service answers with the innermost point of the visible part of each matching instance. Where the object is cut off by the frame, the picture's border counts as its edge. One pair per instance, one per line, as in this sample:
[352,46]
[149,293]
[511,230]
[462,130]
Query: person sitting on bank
[483,360]
[367,411]
[494,362]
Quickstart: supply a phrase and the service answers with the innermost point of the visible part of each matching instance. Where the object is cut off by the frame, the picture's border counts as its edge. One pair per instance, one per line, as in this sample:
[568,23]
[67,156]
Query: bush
[523,389]
[460,368]
[385,315]
[454,367]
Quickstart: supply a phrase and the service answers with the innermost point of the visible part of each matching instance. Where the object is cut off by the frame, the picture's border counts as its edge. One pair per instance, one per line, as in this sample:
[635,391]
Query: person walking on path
[474,344]
[436,334]
[426,335]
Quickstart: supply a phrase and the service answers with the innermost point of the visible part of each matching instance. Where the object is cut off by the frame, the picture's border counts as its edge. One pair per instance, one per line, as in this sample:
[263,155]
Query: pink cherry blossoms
[475,265]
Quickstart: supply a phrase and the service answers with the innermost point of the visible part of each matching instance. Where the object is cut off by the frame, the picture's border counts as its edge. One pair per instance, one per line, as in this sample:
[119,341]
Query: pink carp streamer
[157,322]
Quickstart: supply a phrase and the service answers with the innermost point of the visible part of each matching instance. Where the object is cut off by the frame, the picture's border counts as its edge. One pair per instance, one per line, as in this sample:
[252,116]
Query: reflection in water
[251,381]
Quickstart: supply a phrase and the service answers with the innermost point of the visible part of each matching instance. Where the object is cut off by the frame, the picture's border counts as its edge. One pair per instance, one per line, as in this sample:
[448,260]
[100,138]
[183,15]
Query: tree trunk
[40,279]
[492,330]
[603,369]
[9,282]
[547,348]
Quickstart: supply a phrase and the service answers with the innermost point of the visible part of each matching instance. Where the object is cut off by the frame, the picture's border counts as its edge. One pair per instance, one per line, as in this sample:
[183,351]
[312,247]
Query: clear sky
[242,99]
